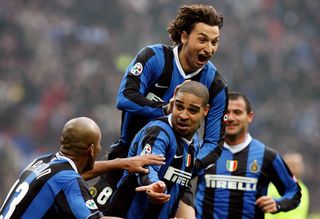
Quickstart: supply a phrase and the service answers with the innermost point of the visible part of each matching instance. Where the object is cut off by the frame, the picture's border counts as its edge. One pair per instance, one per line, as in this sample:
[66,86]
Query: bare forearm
[133,164]
[101,167]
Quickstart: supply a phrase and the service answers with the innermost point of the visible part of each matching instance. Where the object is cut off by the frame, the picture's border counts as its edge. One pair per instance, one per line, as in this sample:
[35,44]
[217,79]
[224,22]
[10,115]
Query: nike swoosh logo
[160,86]
[177,156]
[211,165]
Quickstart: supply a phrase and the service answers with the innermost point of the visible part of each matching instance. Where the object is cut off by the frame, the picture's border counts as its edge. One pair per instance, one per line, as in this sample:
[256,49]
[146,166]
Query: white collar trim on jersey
[239,147]
[181,71]
[183,139]
[60,156]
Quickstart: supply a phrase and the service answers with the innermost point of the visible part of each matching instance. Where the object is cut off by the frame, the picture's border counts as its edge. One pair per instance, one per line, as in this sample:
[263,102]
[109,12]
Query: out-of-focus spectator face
[198,46]
[295,163]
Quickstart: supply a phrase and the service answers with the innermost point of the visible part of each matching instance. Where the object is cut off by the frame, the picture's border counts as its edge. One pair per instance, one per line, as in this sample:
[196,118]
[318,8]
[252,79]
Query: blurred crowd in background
[65,58]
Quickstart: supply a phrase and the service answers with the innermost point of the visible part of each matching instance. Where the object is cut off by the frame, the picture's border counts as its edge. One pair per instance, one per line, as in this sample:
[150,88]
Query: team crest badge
[91,204]
[225,118]
[188,160]
[146,150]
[232,165]
[254,167]
[137,69]
[93,191]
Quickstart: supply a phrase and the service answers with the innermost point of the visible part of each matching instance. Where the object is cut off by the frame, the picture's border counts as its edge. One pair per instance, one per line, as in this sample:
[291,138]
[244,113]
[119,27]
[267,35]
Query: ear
[91,149]
[184,37]
[206,110]
[250,117]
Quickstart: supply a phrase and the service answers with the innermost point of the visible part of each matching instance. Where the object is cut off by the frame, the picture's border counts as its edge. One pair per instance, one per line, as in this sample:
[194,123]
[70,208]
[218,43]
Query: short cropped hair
[235,95]
[197,89]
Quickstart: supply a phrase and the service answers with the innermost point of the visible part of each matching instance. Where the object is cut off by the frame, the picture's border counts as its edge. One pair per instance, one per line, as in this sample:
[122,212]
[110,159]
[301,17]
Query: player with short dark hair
[151,78]
[175,138]
[236,185]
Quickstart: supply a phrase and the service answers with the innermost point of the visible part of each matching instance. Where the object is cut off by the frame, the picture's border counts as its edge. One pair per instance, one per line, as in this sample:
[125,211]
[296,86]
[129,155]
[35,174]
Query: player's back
[33,194]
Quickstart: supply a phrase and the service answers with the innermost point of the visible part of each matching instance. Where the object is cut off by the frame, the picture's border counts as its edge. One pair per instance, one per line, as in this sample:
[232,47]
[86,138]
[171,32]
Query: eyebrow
[192,105]
[205,35]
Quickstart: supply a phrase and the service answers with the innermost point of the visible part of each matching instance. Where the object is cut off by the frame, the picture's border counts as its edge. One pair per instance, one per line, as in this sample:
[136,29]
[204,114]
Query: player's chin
[183,131]
[231,131]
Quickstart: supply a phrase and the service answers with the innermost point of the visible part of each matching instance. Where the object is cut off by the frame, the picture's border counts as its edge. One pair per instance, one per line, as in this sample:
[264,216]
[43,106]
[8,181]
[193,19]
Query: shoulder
[160,124]
[217,81]
[63,171]
[210,66]
[159,47]
[153,54]
[269,153]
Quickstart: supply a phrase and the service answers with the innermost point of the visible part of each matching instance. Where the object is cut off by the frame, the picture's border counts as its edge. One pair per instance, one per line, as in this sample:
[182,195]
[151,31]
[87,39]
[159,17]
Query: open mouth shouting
[203,59]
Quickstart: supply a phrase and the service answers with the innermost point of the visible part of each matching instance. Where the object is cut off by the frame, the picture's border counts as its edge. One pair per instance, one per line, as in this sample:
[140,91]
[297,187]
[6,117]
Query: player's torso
[235,180]
[161,87]
[176,173]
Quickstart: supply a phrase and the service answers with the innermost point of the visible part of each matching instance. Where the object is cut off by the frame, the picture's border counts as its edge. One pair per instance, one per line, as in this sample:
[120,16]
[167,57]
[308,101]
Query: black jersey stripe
[236,197]
[166,75]
[208,205]
[216,87]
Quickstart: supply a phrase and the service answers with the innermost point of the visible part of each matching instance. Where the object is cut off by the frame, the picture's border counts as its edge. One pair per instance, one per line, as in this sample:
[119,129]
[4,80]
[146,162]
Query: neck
[79,162]
[183,61]
[233,140]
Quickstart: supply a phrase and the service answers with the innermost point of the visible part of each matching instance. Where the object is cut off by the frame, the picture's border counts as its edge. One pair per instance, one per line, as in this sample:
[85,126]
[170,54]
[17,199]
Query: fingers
[156,157]
[155,192]
[143,170]
[136,164]
[158,198]
[160,186]
[142,188]
[153,159]
[156,195]
[266,204]
[170,105]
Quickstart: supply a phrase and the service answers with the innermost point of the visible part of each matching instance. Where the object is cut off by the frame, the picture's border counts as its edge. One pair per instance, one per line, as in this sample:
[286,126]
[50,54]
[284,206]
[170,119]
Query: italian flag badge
[188,160]
[232,165]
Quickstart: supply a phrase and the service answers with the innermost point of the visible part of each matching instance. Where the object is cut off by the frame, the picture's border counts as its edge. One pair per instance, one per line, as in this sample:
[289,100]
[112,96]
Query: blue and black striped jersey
[230,188]
[50,187]
[148,85]
[157,137]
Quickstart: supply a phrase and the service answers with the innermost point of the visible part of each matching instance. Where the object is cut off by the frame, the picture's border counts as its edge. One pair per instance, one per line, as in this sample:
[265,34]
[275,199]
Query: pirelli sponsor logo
[177,176]
[231,182]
